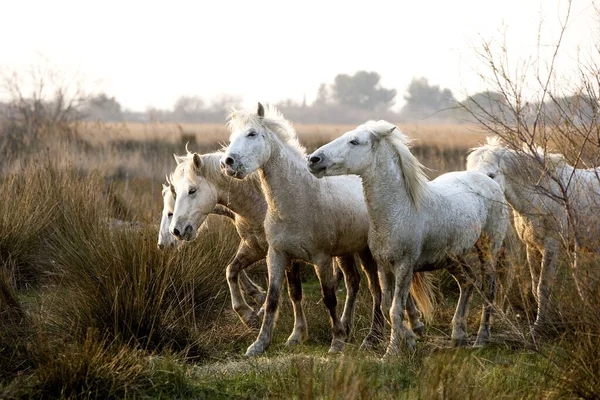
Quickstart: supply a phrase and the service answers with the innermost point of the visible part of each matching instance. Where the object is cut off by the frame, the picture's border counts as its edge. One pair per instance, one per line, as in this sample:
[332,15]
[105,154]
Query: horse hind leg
[324,269]
[488,272]
[244,257]
[352,281]
[300,332]
[252,289]
[414,316]
[465,280]
[375,334]
[544,289]
[534,259]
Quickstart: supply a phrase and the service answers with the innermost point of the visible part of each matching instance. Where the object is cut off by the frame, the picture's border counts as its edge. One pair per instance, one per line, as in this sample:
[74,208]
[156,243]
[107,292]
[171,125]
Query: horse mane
[413,172]
[272,121]
[210,168]
[487,153]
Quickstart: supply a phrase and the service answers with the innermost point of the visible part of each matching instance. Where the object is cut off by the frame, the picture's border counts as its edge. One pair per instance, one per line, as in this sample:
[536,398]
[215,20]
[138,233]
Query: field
[90,308]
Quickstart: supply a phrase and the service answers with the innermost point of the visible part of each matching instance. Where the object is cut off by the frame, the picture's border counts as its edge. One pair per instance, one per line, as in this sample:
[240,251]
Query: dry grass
[107,309]
[441,135]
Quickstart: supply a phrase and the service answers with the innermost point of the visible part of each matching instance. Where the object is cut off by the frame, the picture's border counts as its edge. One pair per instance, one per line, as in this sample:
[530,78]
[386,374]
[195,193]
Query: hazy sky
[149,53]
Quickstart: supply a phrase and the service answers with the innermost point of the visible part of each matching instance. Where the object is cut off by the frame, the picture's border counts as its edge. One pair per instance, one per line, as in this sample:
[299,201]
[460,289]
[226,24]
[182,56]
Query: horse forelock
[273,121]
[415,179]
[210,169]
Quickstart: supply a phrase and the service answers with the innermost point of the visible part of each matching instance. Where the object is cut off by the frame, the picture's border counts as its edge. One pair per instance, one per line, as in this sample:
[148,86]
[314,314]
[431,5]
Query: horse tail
[423,293]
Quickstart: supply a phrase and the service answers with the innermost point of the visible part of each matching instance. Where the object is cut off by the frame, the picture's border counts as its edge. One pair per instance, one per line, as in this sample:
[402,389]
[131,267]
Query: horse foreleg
[459,321]
[277,263]
[403,274]
[352,280]
[375,335]
[244,257]
[544,288]
[325,273]
[300,332]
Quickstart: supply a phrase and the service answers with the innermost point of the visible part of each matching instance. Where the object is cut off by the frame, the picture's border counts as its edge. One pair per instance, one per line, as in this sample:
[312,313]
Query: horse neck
[385,191]
[243,197]
[286,183]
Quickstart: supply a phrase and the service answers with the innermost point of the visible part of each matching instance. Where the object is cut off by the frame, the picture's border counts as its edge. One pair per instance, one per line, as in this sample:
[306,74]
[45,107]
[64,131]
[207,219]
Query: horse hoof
[459,342]
[296,339]
[370,343]
[390,353]
[337,346]
[254,350]
[419,329]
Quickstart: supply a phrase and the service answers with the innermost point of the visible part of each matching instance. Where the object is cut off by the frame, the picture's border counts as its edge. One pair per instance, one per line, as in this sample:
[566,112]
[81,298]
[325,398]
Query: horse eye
[251,134]
[170,214]
[192,191]
[354,142]
[492,175]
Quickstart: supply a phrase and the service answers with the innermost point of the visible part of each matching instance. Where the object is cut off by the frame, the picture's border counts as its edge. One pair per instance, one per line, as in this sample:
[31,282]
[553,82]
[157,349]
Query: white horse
[420,225]
[198,186]
[307,219]
[166,240]
[535,185]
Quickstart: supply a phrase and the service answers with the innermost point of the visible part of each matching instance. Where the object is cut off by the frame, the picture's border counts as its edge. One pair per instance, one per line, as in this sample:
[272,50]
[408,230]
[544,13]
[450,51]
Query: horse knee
[232,271]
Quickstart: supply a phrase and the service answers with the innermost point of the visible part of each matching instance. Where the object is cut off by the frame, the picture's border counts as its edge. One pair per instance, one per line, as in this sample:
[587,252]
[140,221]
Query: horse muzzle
[316,165]
[231,167]
[187,234]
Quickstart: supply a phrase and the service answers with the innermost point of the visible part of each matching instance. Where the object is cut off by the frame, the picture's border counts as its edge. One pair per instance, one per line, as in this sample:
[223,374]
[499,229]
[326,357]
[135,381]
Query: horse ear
[261,110]
[178,159]
[173,192]
[197,162]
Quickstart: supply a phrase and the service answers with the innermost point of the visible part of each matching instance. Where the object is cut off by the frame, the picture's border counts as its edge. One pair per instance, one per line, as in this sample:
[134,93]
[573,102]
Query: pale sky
[149,53]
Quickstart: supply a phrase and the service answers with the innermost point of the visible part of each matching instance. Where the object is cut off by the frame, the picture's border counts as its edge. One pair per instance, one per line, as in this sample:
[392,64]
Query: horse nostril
[161,246]
[176,232]
[229,161]
[314,159]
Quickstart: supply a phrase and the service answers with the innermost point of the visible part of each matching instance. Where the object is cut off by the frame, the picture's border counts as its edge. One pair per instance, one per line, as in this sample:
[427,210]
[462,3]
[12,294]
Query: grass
[89,308]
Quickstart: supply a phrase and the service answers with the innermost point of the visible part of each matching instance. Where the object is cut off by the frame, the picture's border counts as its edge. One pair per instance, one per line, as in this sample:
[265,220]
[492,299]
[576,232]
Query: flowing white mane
[413,171]
[272,121]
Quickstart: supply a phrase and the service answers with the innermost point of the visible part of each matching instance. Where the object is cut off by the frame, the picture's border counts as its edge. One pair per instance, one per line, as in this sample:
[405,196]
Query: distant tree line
[348,99]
